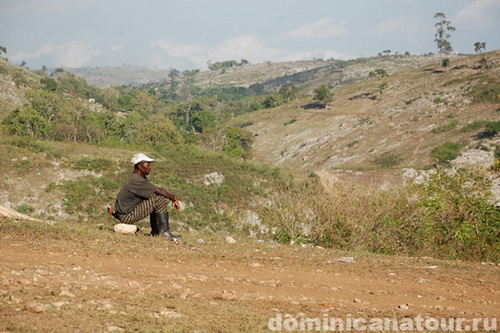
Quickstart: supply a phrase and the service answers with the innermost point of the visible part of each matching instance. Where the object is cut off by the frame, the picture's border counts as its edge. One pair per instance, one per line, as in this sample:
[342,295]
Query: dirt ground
[97,281]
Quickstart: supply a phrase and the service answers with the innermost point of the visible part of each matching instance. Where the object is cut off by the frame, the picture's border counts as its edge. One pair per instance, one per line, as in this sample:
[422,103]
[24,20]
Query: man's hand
[176,205]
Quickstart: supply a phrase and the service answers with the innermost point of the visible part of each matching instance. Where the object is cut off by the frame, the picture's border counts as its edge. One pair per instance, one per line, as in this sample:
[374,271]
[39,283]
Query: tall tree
[442,36]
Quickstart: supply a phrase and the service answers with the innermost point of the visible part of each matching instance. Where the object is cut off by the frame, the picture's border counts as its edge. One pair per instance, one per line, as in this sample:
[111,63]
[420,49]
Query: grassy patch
[25,209]
[446,152]
[388,160]
[474,126]
[487,91]
[445,128]
[93,164]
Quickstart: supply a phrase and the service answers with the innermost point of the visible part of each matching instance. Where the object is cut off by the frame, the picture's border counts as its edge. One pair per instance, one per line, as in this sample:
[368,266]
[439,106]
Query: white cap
[140,158]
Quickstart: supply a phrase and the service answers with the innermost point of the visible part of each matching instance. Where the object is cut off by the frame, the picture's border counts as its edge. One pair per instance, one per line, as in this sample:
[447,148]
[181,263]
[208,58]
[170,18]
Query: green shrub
[492,128]
[323,94]
[446,152]
[203,120]
[238,142]
[48,84]
[25,209]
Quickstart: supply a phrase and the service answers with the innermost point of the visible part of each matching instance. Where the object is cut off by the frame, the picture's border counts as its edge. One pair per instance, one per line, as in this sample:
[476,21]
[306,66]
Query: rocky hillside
[14,81]
[366,130]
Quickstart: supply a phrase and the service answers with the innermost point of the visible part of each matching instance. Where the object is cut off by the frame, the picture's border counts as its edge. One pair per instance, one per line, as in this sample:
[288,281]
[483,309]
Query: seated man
[139,198]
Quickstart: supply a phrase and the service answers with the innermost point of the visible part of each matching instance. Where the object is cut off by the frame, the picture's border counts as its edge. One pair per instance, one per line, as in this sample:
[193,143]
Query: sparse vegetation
[388,160]
[245,124]
[291,121]
[93,164]
[485,91]
[445,128]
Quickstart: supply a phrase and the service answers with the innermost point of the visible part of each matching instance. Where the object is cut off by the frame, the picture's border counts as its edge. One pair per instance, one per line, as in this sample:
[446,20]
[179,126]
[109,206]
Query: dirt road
[140,284]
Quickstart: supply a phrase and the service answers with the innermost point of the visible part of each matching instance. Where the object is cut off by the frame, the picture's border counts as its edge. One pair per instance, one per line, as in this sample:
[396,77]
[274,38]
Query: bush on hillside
[237,142]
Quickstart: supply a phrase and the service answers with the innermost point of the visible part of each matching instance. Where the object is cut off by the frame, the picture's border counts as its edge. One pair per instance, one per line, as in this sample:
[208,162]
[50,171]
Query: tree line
[64,107]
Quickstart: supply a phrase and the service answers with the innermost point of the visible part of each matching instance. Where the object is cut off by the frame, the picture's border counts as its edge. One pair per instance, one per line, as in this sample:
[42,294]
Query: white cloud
[77,53]
[22,55]
[243,47]
[248,47]
[117,48]
[324,28]
[479,13]
[72,54]
[178,50]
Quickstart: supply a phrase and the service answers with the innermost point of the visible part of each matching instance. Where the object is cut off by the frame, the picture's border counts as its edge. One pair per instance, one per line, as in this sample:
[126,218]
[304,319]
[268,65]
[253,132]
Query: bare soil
[93,280]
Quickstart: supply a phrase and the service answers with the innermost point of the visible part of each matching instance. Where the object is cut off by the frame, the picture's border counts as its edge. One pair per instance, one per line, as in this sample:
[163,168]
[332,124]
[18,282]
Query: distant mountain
[103,77]
[305,74]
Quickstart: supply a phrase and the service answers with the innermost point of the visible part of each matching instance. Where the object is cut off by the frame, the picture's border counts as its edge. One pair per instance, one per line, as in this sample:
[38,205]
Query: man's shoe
[154,226]
[162,224]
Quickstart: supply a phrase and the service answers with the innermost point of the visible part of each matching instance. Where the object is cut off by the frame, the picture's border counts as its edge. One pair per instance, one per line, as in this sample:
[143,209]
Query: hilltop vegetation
[384,115]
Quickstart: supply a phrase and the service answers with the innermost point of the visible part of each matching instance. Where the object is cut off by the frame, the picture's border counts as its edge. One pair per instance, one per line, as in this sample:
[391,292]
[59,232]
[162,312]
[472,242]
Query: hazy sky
[185,34]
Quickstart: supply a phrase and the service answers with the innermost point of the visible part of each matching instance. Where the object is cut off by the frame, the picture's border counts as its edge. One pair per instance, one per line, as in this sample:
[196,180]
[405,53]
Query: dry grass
[450,216]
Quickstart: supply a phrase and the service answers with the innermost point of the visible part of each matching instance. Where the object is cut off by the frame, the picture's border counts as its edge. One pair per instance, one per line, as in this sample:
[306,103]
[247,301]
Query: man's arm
[167,195]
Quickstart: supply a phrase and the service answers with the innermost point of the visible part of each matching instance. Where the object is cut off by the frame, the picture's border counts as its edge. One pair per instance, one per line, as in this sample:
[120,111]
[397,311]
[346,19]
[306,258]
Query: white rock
[59,304]
[349,260]
[66,293]
[171,314]
[127,229]
[36,307]
[230,240]
[213,178]
[475,158]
